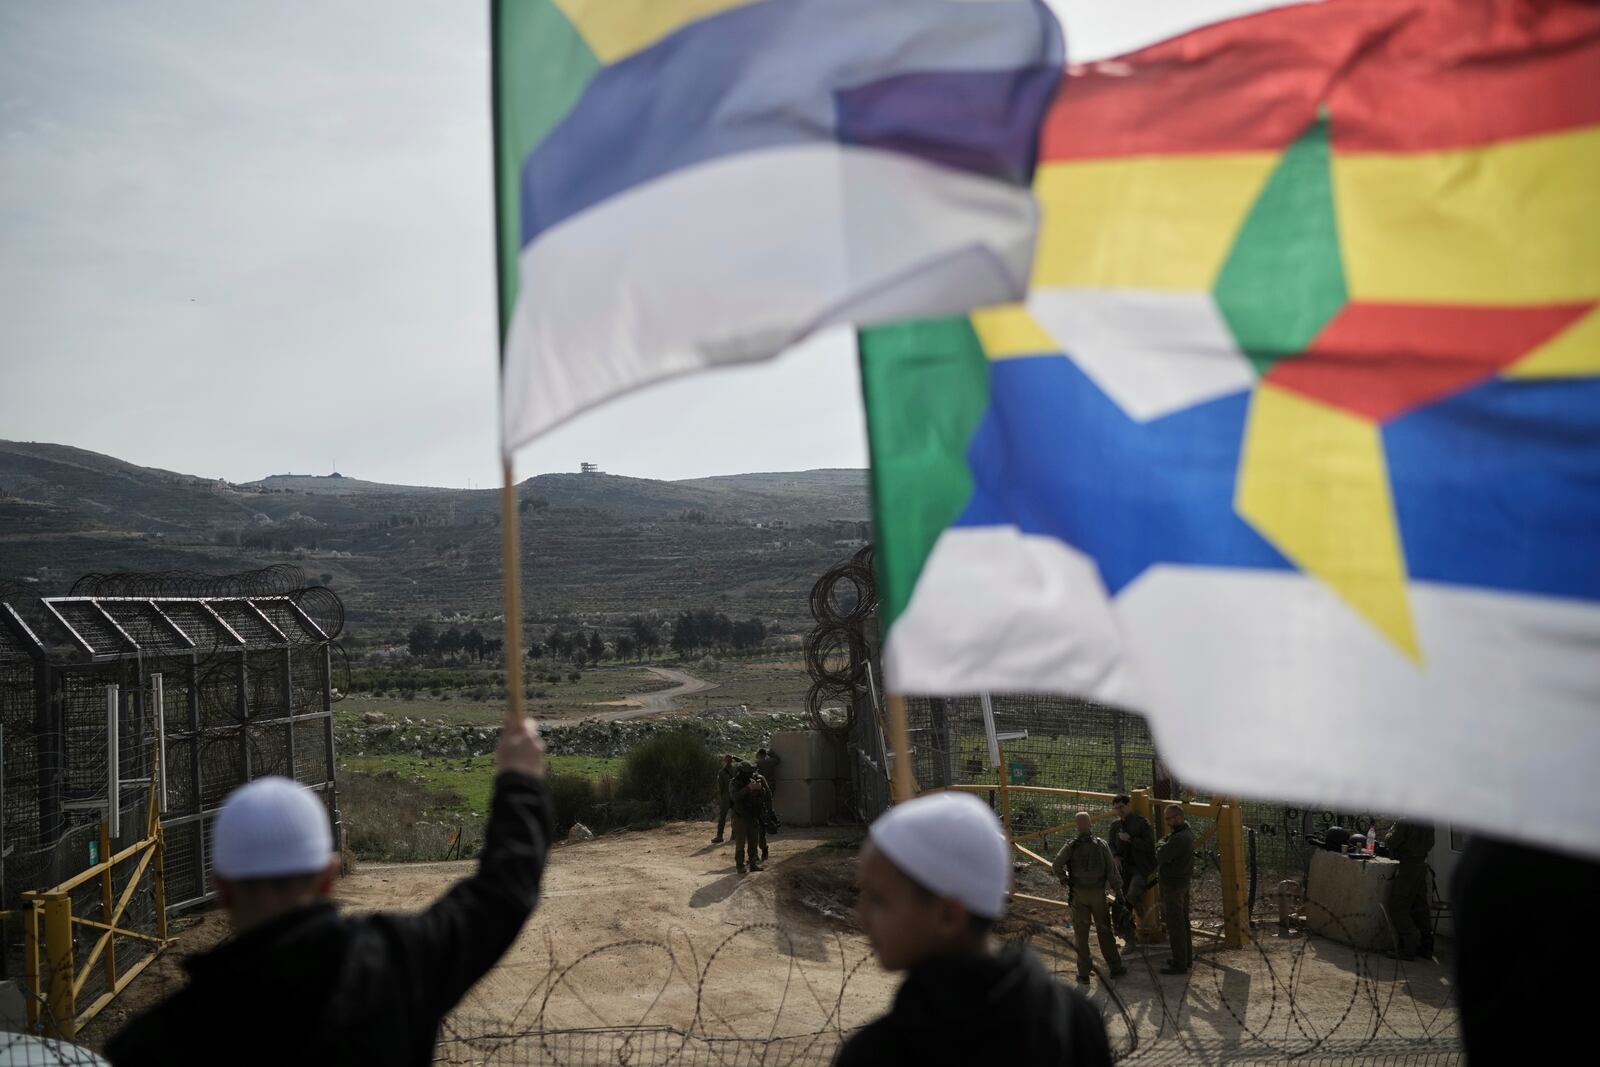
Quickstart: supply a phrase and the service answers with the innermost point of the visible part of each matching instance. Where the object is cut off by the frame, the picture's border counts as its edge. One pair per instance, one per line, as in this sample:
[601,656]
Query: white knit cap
[950,844]
[271,828]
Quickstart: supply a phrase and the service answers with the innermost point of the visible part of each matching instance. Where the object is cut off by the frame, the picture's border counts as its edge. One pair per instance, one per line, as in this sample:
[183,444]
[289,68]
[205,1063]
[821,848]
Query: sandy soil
[656,928]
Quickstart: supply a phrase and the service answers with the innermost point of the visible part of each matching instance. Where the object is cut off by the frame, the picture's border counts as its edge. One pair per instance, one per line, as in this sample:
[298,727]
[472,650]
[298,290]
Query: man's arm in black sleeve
[455,942]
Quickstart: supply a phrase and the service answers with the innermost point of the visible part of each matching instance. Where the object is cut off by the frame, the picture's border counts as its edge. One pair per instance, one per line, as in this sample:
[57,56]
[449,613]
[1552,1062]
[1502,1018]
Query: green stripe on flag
[541,66]
[926,386]
[1284,277]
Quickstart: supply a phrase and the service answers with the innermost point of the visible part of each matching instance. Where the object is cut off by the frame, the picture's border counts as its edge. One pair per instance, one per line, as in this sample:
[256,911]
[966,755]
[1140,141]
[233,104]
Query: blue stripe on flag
[1055,456]
[1499,486]
[962,83]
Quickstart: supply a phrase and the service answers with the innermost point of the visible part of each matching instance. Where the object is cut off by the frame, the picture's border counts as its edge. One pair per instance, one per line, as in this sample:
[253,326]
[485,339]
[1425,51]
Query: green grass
[470,779]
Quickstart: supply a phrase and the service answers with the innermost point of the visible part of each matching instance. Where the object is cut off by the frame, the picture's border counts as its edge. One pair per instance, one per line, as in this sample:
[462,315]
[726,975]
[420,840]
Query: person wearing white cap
[299,983]
[933,879]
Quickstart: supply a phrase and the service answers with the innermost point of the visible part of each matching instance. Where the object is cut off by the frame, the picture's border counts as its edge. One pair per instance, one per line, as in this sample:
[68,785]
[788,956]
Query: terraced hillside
[594,545]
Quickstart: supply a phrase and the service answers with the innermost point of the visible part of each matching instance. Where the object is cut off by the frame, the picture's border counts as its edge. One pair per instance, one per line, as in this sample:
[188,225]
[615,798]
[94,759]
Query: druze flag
[1295,445]
[687,183]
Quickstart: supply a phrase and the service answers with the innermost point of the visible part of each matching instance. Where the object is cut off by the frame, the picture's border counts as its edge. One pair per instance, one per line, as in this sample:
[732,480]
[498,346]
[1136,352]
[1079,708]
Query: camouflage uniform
[1086,866]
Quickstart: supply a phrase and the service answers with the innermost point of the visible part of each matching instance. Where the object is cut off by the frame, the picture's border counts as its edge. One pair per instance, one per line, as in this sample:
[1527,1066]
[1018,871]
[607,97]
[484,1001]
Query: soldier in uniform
[724,795]
[746,790]
[1087,868]
[1174,869]
[1133,842]
[767,767]
[1409,843]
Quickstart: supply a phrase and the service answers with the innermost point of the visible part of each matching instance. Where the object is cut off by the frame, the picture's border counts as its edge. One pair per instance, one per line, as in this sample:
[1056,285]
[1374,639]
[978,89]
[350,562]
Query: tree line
[426,640]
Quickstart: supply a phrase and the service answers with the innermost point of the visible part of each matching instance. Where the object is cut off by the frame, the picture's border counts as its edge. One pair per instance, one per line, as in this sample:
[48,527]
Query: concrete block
[805,803]
[1346,898]
[808,754]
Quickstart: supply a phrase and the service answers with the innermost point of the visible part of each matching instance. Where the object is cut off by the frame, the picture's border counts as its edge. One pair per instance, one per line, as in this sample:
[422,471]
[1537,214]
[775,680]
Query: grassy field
[407,808]
[763,684]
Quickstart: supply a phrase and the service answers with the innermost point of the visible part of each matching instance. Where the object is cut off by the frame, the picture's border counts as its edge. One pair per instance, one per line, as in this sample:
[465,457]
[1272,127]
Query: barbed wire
[841,646]
[712,1037]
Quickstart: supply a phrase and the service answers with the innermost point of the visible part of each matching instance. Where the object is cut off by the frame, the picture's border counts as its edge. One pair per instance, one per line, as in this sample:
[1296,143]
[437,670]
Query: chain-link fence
[99,690]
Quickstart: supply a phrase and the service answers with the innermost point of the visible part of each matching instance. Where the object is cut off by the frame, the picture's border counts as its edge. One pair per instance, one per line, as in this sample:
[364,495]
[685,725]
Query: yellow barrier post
[1235,887]
[59,965]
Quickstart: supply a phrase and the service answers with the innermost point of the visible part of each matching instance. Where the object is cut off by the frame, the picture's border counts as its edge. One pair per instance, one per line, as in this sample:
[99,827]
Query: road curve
[644,705]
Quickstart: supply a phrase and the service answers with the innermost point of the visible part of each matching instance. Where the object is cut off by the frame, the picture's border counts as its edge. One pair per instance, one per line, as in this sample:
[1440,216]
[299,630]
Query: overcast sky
[239,239]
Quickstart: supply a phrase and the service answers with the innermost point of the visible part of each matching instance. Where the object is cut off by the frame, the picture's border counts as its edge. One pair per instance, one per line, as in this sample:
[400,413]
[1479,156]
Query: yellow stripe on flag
[1572,353]
[1143,222]
[1511,223]
[1008,330]
[615,29]
[1313,481]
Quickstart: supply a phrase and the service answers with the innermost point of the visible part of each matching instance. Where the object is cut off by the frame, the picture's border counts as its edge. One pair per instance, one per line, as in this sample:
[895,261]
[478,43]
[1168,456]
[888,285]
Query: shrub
[674,776]
[572,797]
[573,676]
[387,817]
[480,693]
[710,664]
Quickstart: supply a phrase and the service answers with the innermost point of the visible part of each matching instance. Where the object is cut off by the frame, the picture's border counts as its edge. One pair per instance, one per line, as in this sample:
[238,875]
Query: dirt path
[656,930]
[643,705]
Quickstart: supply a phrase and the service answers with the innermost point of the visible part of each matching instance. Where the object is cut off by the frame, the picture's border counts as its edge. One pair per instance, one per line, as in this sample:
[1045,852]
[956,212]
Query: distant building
[589,468]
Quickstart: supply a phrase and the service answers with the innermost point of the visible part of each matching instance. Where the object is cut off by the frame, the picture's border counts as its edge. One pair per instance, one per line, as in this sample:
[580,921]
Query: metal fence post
[289,706]
[113,760]
[158,697]
[243,707]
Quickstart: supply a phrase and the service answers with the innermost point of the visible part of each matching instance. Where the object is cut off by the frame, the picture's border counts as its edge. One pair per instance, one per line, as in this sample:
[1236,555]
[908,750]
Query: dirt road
[643,705]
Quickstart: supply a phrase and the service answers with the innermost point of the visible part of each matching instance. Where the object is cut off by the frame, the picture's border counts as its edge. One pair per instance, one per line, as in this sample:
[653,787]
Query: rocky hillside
[594,545]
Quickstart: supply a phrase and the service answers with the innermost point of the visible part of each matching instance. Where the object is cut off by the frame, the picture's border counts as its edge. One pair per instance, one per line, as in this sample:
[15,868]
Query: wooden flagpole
[511,575]
[904,782]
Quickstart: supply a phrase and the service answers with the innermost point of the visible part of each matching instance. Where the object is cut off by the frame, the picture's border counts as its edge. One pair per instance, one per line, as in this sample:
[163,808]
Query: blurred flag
[1295,445]
[687,183]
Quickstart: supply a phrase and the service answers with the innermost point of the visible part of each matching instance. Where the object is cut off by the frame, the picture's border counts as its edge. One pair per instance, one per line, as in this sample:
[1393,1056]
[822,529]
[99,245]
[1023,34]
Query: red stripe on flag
[1382,360]
[1396,76]
[1462,75]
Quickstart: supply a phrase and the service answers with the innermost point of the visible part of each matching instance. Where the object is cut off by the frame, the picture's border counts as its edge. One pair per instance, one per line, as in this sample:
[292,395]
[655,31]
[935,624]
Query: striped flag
[688,183]
[1295,445]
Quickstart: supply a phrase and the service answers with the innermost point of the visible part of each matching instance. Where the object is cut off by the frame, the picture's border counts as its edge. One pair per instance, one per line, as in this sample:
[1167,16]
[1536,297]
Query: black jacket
[1005,1009]
[1138,854]
[312,986]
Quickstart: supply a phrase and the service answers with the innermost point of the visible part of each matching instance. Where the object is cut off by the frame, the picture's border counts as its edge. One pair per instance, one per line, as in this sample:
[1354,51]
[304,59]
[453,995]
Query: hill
[595,546]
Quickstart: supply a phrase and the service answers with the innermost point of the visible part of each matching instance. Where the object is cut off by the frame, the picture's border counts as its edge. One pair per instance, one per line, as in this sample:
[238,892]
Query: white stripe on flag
[737,259]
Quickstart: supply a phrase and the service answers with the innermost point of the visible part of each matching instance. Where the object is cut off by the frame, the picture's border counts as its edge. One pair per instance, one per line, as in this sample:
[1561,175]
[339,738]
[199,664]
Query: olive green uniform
[1085,865]
[746,821]
[1174,870]
[724,798]
[1410,843]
